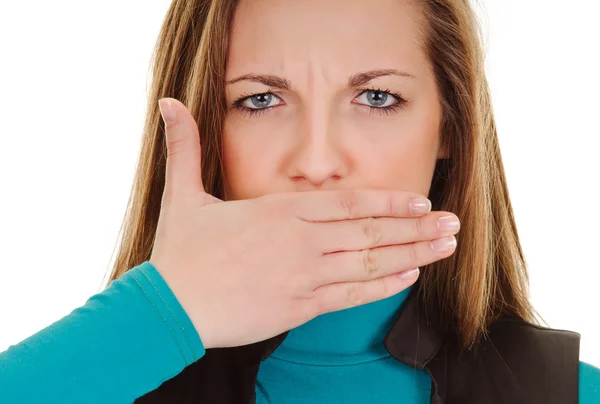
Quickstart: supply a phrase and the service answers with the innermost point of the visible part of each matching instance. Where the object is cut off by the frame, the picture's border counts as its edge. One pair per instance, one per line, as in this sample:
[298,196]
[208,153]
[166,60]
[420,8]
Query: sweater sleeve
[122,343]
[589,384]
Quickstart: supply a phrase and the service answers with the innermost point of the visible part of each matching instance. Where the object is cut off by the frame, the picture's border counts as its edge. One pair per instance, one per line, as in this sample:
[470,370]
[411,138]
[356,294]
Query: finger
[183,171]
[358,234]
[369,264]
[340,296]
[356,204]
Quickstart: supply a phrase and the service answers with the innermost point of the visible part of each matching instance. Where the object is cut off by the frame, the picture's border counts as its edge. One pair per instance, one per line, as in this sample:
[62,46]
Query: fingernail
[419,206]
[411,273]
[166,111]
[443,244]
[448,223]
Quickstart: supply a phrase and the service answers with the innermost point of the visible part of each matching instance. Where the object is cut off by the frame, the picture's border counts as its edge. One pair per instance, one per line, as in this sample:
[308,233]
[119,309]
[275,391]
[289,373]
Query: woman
[221,255]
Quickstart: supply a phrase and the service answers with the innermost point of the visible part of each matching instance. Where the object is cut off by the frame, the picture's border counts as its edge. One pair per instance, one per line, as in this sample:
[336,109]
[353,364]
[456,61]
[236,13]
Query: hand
[247,270]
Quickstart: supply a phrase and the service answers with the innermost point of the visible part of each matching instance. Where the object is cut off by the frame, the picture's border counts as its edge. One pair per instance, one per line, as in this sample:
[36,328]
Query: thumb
[183,171]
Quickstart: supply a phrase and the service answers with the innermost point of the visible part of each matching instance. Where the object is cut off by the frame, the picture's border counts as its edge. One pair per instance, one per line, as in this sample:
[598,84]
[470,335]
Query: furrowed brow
[266,79]
[355,80]
[362,78]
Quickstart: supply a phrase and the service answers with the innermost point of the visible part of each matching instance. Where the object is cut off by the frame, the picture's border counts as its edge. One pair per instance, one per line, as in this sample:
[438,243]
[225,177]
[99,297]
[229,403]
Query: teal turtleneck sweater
[340,357]
[128,339]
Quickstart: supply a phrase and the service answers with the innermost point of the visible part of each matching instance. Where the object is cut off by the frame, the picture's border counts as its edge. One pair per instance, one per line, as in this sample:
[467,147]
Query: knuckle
[413,255]
[176,144]
[349,203]
[372,231]
[418,228]
[385,287]
[370,261]
[355,295]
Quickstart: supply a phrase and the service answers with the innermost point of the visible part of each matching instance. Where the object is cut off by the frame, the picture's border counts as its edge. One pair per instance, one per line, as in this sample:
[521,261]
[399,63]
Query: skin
[323,132]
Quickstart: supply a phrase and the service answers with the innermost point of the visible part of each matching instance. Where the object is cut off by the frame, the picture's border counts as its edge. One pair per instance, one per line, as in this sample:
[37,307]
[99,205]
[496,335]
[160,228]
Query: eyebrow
[355,80]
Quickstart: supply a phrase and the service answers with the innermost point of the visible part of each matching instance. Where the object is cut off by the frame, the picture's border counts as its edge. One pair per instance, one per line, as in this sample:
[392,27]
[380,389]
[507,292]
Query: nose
[317,159]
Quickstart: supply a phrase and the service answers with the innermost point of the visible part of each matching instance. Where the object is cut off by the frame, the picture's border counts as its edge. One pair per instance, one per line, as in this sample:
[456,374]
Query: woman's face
[341,96]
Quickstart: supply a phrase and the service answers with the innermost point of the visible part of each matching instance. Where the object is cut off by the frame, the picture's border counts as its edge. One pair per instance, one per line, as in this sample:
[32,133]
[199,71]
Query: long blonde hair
[485,279]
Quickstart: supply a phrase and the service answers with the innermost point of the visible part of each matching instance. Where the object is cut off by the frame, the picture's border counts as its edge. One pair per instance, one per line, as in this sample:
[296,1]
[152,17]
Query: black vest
[517,363]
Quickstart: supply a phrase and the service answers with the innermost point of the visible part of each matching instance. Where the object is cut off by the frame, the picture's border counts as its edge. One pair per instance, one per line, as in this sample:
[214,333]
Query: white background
[73,79]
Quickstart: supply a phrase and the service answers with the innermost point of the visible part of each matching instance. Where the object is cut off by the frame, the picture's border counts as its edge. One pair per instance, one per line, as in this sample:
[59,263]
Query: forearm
[122,343]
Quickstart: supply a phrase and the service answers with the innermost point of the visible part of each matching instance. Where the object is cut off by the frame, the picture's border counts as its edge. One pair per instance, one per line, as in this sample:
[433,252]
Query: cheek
[248,165]
[402,155]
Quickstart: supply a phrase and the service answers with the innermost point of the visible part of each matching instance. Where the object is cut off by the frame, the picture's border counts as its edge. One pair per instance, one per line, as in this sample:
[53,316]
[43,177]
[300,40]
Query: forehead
[334,36]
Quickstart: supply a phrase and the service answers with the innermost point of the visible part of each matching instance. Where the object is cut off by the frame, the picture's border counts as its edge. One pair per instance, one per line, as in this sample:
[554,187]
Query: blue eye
[376,98]
[260,101]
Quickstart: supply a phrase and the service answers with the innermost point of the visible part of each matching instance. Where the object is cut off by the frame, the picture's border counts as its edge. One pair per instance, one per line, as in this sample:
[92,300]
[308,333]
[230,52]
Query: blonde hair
[485,279]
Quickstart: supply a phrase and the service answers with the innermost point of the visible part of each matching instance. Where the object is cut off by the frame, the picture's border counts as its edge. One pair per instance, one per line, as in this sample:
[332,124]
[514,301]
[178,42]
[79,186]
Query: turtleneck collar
[344,337]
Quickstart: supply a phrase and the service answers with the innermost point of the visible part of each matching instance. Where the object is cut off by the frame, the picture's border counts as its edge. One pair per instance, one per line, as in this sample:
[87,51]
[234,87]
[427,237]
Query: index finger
[323,206]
